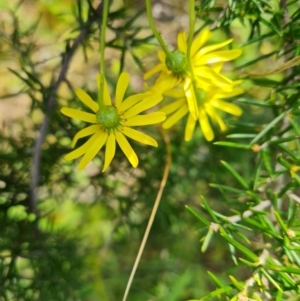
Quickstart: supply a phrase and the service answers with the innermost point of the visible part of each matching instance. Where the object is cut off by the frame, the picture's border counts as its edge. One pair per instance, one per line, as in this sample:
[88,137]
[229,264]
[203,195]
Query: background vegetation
[73,235]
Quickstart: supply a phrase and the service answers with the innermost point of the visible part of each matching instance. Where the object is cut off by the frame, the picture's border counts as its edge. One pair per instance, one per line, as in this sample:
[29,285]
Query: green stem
[102,57]
[154,30]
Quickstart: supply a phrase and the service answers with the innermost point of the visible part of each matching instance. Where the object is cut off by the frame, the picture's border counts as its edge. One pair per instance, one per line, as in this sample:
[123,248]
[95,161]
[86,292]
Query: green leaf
[255,102]
[235,174]
[280,222]
[238,285]
[209,210]
[225,187]
[240,136]
[268,127]
[265,154]
[233,144]
[200,218]
[207,239]
[239,246]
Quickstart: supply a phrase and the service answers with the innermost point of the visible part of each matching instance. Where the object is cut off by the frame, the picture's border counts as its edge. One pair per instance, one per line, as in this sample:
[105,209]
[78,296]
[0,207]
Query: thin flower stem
[102,54]
[154,30]
[153,213]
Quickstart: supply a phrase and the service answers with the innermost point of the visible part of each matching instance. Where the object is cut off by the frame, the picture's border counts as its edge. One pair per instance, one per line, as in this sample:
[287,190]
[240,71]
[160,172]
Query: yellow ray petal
[87,100]
[205,126]
[215,116]
[216,79]
[106,95]
[82,149]
[227,107]
[161,56]
[181,42]
[93,150]
[189,128]
[145,104]
[153,71]
[173,106]
[131,101]
[151,118]
[139,136]
[217,67]
[211,48]
[79,115]
[175,117]
[127,149]
[224,94]
[122,85]
[175,93]
[164,83]
[86,132]
[219,56]
[199,41]
[109,151]
[191,99]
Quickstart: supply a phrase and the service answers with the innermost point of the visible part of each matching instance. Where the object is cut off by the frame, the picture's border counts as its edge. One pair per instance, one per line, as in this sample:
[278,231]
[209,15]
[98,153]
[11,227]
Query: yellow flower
[174,70]
[113,123]
[208,102]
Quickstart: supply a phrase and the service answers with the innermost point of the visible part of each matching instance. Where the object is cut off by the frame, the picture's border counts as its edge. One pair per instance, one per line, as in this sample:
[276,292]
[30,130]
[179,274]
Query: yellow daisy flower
[174,70]
[113,123]
[208,102]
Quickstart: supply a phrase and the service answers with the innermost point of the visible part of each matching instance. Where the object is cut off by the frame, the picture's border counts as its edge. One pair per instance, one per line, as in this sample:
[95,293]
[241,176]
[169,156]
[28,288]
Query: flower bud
[177,63]
[109,118]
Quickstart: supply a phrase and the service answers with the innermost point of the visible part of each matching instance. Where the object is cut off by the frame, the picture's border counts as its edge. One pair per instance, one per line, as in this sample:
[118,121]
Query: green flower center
[201,96]
[177,63]
[109,118]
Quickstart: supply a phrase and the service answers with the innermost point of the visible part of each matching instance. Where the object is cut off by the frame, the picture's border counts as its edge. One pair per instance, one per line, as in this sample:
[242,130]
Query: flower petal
[145,104]
[82,149]
[151,118]
[175,93]
[93,150]
[227,107]
[139,136]
[215,116]
[110,151]
[199,41]
[175,117]
[87,100]
[122,85]
[106,95]
[76,114]
[165,82]
[153,71]
[181,42]
[127,149]
[161,56]
[217,67]
[224,94]
[211,48]
[191,99]
[85,132]
[131,101]
[189,128]
[219,56]
[217,79]
[173,106]
[205,126]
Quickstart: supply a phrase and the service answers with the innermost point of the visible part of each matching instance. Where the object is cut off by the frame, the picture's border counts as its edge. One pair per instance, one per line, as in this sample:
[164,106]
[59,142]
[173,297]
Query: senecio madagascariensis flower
[208,101]
[174,68]
[113,123]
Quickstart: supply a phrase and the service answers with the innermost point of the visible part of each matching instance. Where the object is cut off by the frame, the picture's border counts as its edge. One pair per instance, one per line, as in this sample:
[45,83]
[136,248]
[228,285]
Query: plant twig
[50,102]
[153,213]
